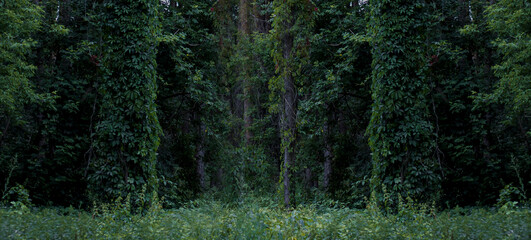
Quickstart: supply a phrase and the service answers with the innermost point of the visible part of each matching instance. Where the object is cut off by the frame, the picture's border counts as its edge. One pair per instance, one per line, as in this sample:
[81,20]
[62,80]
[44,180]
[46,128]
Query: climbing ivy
[400,134]
[292,21]
[127,133]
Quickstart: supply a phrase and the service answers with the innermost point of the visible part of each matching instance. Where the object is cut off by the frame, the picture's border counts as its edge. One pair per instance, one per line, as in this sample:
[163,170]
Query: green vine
[400,134]
[127,134]
[292,22]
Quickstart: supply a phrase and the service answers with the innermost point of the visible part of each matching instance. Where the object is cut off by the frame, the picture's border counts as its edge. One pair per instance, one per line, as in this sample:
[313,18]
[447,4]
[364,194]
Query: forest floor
[214,220]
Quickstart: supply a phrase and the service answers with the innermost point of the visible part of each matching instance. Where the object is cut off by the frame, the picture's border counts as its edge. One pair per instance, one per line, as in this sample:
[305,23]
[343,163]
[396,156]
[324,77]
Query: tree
[190,108]
[291,19]
[511,21]
[244,33]
[400,134]
[336,101]
[19,19]
[248,92]
[128,130]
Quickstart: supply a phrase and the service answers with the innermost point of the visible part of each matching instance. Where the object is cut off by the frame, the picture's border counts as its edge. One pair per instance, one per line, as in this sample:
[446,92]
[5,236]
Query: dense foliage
[297,101]
[400,133]
[260,219]
[127,132]
[18,21]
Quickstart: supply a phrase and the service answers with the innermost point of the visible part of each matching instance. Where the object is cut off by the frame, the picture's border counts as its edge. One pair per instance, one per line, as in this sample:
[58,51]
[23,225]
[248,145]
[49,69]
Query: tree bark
[244,38]
[199,156]
[327,169]
[308,178]
[289,113]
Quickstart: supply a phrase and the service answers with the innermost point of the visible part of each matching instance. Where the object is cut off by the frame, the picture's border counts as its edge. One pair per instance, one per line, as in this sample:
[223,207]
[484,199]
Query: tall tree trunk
[128,128]
[287,14]
[200,157]
[289,113]
[308,178]
[327,169]
[400,133]
[244,40]
[244,17]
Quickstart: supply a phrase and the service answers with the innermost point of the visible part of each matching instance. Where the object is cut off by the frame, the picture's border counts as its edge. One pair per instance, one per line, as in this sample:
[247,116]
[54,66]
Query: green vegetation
[262,219]
[399,129]
[18,21]
[265,119]
[127,134]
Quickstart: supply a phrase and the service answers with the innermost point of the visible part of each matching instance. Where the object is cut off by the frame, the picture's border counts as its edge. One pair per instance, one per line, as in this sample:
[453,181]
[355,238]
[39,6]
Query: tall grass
[261,219]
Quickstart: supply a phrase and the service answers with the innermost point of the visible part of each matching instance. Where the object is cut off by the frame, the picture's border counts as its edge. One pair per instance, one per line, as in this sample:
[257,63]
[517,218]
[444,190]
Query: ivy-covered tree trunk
[244,34]
[400,134]
[290,55]
[127,134]
[283,24]
[288,121]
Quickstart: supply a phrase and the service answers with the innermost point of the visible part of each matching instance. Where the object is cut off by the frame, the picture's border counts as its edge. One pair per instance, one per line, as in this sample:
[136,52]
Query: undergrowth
[262,218]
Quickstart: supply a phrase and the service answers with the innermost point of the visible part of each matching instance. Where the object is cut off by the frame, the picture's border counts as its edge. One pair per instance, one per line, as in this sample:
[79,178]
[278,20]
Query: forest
[265,119]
